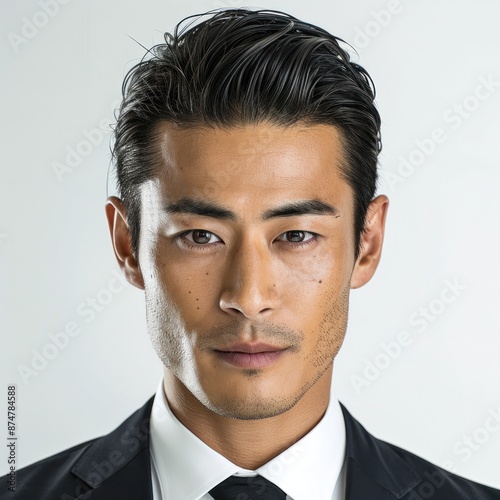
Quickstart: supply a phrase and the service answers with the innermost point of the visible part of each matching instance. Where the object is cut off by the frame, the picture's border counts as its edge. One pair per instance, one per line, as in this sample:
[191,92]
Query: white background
[64,79]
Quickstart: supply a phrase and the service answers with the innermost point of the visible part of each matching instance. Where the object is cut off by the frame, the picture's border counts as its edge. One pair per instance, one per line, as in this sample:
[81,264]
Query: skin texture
[247,279]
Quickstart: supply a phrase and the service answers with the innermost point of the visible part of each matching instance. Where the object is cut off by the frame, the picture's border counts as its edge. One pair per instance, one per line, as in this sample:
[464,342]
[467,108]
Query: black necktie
[247,488]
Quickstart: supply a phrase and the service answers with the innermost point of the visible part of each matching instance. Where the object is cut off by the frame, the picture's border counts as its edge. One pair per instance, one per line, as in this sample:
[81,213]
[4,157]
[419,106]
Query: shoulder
[438,483]
[115,465]
[374,463]
[51,477]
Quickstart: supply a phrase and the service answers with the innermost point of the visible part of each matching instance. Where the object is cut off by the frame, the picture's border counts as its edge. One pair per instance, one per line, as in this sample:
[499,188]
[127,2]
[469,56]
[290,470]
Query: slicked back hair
[243,67]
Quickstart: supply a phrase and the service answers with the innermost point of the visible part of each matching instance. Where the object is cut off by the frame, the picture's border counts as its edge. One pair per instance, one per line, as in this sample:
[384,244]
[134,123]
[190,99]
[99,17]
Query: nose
[249,288]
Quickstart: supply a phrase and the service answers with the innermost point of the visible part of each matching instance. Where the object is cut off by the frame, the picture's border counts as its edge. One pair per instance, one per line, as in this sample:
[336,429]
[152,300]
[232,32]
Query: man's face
[247,239]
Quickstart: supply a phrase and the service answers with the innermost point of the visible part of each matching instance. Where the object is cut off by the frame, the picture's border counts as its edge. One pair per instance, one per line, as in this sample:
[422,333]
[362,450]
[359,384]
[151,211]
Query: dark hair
[247,67]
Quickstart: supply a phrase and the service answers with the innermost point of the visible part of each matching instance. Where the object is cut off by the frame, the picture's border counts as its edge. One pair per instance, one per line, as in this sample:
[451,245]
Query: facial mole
[320,281]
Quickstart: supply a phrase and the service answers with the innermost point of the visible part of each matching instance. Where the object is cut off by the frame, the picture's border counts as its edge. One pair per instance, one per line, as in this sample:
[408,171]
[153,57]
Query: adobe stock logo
[30,27]
[59,340]
[420,320]
[75,154]
[380,20]
[453,119]
[472,442]
[90,139]
[426,489]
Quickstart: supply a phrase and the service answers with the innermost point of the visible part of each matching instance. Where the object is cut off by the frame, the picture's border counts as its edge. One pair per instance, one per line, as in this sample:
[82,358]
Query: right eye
[198,239]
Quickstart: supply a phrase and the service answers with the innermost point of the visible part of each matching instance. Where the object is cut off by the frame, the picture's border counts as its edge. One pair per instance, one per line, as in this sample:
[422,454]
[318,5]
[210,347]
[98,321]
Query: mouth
[250,356]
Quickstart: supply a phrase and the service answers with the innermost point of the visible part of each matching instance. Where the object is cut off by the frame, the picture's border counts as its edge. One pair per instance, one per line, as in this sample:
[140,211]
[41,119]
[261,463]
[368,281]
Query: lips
[251,348]
[250,356]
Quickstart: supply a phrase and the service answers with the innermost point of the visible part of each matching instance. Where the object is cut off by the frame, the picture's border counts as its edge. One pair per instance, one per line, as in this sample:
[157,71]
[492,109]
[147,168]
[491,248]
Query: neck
[248,443]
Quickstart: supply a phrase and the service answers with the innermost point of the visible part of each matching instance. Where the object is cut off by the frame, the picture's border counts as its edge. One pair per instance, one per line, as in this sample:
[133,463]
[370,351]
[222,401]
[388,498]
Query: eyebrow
[303,207]
[210,209]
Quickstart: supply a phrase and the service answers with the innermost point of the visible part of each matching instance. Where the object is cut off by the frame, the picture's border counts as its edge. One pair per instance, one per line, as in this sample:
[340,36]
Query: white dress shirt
[185,468]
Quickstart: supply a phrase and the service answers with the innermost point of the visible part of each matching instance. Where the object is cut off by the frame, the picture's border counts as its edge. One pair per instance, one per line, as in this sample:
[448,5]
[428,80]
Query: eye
[201,237]
[298,238]
[198,239]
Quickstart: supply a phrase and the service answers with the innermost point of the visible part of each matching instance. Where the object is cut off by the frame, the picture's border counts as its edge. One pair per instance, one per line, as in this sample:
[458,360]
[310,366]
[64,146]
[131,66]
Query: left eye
[297,236]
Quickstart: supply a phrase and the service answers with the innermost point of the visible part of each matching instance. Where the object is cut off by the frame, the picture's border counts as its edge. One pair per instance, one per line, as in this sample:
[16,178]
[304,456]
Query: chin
[250,404]
[250,410]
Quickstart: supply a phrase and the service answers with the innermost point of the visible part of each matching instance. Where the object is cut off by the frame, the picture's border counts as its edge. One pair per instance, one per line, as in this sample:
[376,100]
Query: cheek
[190,288]
[318,275]
[326,325]
[320,291]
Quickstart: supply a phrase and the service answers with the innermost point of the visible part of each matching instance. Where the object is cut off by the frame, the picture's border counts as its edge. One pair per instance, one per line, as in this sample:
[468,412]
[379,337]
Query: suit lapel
[118,465]
[374,469]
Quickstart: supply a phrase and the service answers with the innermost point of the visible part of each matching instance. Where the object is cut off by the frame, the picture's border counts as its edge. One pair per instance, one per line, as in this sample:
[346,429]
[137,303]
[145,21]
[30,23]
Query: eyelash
[202,247]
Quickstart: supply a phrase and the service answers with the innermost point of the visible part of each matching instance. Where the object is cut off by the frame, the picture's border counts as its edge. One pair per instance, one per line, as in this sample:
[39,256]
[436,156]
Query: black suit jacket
[117,467]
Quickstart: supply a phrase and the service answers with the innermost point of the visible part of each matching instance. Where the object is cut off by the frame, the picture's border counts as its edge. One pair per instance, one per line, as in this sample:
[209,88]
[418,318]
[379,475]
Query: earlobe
[371,242]
[120,236]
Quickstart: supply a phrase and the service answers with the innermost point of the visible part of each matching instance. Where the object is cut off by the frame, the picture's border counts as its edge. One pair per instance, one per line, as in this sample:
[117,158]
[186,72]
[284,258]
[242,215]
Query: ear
[371,242]
[120,237]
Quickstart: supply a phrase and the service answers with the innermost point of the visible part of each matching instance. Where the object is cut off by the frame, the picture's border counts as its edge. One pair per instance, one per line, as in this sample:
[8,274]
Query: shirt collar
[187,468]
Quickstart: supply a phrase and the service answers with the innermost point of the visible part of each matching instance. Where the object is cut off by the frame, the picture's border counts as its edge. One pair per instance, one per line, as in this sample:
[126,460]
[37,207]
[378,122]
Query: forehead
[183,146]
[209,147]
[250,165]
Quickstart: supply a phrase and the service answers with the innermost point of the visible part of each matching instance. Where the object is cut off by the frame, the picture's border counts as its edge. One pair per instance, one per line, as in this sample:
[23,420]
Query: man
[246,153]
